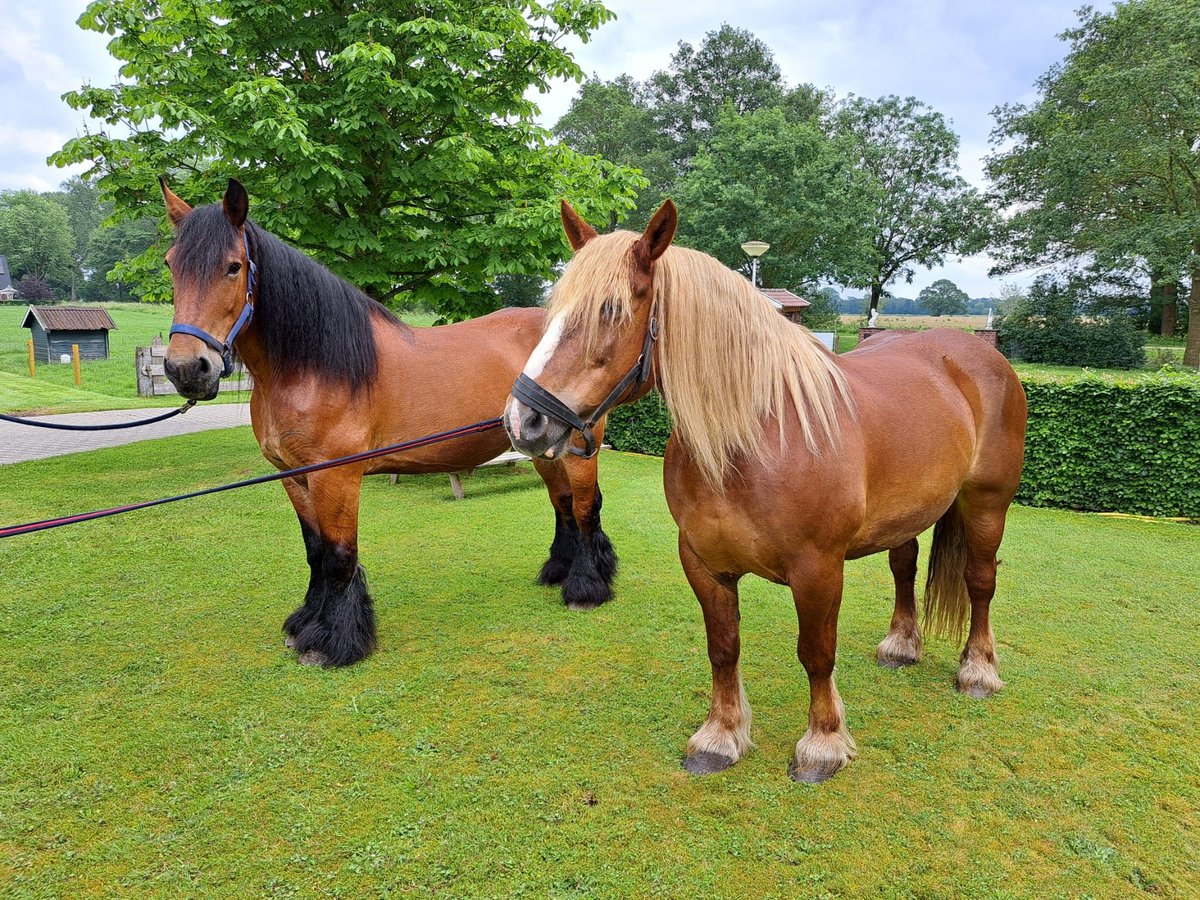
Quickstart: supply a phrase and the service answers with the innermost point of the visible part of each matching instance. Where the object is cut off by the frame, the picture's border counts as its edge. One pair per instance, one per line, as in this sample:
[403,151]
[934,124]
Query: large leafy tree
[1103,170]
[81,200]
[614,120]
[921,210]
[36,236]
[393,140]
[943,298]
[763,177]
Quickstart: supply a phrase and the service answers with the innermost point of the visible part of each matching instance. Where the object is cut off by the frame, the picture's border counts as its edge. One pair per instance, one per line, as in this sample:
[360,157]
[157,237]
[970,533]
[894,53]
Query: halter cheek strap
[225,348]
[541,400]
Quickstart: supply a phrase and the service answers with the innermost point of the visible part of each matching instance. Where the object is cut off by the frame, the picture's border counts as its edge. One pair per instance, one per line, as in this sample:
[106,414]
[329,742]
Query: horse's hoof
[706,763]
[313,658]
[976,691]
[290,642]
[581,605]
[813,774]
[893,663]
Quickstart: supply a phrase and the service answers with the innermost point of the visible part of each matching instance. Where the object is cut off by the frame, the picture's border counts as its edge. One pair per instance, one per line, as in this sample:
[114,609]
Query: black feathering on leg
[342,629]
[307,611]
[563,551]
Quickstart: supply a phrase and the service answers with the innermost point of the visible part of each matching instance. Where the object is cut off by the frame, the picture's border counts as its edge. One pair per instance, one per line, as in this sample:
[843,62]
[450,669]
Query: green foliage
[1101,171]
[921,209]
[943,298]
[394,141]
[1045,327]
[35,235]
[1099,445]
[1092,444]
[764,177]
[156,739]
[641,427]
[520,290]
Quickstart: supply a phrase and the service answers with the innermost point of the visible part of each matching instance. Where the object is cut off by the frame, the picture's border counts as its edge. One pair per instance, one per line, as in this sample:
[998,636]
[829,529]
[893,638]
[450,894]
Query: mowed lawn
[156,740]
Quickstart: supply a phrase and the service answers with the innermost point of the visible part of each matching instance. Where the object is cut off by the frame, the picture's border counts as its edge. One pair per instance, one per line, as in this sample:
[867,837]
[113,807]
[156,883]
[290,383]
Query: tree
[943,298]
[762,177]
[921,209]
[1103,170]
[81,200]
[613,120]
[731,68]
[393,140]
[114,256]
[36,236]
[520,290]
[33,289]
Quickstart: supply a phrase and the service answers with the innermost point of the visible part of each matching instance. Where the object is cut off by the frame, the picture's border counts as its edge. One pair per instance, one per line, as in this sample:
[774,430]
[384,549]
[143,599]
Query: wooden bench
[511,458]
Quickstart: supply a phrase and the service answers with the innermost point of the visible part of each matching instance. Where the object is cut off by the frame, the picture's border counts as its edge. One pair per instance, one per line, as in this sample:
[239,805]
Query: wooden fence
[153,382]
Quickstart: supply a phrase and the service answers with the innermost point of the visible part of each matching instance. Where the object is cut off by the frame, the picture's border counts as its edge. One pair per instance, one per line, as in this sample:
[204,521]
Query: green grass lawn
[156,740]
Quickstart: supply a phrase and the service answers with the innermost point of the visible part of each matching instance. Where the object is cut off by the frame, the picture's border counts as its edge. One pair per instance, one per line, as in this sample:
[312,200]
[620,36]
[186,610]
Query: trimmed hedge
[1092,444]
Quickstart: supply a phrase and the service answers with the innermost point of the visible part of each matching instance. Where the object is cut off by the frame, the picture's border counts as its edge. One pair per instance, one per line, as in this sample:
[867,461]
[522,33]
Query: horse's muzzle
[195,377]
[533,433]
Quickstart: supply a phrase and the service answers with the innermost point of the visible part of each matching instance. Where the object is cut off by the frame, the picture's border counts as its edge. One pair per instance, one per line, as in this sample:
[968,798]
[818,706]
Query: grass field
[157,741]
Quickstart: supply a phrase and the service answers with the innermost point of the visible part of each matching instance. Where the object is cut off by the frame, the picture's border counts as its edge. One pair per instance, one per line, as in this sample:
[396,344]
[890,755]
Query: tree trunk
[1170,294]
[876,293]
[1191,351]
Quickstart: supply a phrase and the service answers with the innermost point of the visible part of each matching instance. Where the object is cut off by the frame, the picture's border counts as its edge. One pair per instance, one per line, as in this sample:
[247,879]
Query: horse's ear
[578,231]
[658,234]
[236,203]
[177,210]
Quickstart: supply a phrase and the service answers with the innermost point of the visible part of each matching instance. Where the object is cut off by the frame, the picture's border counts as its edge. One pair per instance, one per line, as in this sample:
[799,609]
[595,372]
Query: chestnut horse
[335,373]
[787,460]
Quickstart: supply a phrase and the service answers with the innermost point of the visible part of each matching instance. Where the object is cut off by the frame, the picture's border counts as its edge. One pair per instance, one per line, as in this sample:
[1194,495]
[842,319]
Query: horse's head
[212,282]
[598,345]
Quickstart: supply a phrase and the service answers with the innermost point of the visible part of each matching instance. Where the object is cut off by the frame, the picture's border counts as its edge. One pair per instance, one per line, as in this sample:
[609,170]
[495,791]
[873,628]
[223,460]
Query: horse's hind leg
[336,626]
[984,527]
[902,646]
[725,735]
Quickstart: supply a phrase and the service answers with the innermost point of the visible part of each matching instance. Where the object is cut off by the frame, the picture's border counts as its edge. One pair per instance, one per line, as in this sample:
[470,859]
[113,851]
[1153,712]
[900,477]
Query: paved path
[22,442]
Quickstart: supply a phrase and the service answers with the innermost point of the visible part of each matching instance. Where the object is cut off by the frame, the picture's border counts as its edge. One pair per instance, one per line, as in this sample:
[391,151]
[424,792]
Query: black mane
[310,320]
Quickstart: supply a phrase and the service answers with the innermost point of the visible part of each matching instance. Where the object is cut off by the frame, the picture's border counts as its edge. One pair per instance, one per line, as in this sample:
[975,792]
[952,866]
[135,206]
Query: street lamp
[755,249]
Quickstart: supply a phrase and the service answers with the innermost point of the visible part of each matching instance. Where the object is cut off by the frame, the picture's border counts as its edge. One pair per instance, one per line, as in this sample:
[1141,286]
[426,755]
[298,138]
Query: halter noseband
[542,401]
[226,348]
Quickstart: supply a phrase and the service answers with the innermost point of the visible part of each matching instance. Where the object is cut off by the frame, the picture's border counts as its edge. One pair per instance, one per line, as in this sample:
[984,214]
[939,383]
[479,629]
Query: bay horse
[787,460]
[336,373]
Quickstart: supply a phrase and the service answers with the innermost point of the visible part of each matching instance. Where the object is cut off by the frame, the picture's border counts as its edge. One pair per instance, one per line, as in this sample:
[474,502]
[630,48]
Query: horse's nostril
[203,365]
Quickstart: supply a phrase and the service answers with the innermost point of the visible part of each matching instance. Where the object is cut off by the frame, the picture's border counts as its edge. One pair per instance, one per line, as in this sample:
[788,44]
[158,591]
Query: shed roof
[784,299]
[70,318]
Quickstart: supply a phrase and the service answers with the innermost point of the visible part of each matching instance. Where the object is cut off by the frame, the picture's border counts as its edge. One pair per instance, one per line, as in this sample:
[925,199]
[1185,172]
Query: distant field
[886,321]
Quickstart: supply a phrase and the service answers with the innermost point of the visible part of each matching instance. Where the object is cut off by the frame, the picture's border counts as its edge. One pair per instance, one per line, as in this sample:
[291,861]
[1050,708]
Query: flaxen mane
[726,360]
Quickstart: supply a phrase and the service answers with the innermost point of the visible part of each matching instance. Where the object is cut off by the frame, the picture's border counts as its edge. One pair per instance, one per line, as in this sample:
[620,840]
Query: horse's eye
[607,311]
[234,268]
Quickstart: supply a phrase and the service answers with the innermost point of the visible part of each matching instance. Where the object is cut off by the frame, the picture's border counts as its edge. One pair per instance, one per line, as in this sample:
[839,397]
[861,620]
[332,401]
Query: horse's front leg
[336,625]
[902,646]
[827,745]
[589,582]
[297,491]
[565,546]
[724,738]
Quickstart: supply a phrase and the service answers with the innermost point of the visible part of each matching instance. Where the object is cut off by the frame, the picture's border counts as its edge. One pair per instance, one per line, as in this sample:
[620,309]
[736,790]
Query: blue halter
[226,348]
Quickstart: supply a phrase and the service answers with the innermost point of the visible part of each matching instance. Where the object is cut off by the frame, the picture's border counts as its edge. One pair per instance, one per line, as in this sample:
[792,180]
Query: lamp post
[755,249]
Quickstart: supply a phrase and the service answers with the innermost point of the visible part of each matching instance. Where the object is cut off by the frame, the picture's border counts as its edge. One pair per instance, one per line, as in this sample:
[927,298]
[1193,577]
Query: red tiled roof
[785,298]
[70,318]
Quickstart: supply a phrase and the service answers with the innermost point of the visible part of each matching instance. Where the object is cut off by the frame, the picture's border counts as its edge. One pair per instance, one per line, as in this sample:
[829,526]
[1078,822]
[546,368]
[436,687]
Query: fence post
[75,363]
[32,364]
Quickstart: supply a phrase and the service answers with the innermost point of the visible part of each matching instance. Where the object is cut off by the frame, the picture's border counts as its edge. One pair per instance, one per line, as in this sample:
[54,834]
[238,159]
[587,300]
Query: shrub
[1045,327]
[1091,444]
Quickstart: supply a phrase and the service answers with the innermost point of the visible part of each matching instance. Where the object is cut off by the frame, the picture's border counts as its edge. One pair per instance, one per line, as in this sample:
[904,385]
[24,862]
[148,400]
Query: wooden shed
[789,305]
[56,328]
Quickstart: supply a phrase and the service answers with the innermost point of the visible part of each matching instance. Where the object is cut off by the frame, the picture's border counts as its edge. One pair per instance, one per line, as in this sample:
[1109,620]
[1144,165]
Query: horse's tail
[946,599]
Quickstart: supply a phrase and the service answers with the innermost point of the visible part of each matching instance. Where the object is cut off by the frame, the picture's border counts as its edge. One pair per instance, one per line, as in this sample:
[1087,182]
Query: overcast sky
[962,58]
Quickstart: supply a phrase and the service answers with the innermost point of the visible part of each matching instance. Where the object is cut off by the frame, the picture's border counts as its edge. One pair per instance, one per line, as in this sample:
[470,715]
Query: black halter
[226,348]
[541,400]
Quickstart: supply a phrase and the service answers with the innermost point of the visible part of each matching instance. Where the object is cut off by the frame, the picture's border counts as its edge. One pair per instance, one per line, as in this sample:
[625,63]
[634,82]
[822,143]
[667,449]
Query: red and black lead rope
[464,431]
[16,420]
